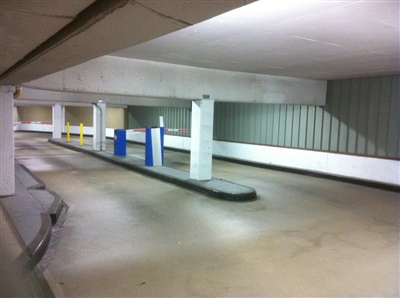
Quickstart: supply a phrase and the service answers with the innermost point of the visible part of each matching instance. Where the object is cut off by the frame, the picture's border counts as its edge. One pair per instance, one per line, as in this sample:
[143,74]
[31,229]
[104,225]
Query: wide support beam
[99,126]
[57,121]
[201,139]
[7,171]
[132,77]
[39,97]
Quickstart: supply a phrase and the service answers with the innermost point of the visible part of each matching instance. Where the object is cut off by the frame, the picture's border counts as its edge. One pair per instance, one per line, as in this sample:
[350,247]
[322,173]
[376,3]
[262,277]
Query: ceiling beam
[84,20]
[30,96]
[147,79]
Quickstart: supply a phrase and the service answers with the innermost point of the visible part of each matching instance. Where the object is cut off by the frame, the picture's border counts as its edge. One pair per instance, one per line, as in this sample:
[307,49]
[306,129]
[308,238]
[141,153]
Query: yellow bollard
[81,134]
[68,133]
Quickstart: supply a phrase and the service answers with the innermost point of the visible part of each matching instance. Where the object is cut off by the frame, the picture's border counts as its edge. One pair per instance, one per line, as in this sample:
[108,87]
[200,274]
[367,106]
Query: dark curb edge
[368,183]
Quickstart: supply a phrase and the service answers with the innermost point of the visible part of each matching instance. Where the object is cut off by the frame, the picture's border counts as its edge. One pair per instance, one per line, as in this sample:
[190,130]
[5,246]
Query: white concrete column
[99,126]
[201,139]
[57,121]
[7,171]
[63,123]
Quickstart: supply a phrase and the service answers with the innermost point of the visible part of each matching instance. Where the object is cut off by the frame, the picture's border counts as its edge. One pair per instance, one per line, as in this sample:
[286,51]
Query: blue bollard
[120,142]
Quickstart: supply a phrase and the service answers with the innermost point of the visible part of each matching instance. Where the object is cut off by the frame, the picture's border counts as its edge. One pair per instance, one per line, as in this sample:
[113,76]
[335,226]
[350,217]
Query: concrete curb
[216,188]
[33,211]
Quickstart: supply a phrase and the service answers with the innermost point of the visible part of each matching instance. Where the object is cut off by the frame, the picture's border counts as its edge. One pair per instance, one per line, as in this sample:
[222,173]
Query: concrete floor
[129,235]
[16,276]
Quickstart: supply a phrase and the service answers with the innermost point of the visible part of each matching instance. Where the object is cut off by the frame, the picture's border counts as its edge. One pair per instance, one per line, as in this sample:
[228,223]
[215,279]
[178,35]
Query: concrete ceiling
[27,24]
[40,37]
[298,38]
[308,39]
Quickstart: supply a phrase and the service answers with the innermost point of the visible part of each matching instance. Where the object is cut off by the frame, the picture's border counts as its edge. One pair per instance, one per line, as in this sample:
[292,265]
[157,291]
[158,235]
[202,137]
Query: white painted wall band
[358,167]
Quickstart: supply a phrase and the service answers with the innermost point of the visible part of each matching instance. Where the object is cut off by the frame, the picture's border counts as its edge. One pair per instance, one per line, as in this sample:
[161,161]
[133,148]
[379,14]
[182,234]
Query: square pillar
[201,139]
[63,123]
[99,126]
[57,121]
[7,171]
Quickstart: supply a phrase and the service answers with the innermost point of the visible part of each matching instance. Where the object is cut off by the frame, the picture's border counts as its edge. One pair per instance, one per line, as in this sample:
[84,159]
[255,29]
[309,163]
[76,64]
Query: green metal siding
[141,117]
[361,116]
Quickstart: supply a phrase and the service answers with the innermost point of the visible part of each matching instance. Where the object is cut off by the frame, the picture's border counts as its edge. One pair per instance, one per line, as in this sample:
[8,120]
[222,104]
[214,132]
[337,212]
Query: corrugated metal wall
[140,117]
[362,117]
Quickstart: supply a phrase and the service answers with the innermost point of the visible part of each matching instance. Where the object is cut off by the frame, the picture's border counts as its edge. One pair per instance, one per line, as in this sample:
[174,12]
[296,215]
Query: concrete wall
[16,115]
[78,115]
[359,167]
[360,122]
[362,117]
[35,113]
[116,118]
[140,117]
[342,165]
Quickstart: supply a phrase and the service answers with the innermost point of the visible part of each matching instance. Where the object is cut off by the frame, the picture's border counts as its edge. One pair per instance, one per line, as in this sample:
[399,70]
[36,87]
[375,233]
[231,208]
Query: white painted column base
[57,121]
[99,126]
[201,139]
[7,171]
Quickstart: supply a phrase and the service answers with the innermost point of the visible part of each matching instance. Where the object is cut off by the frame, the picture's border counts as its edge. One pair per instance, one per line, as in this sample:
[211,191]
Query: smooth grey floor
[129,235]
[17,275]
